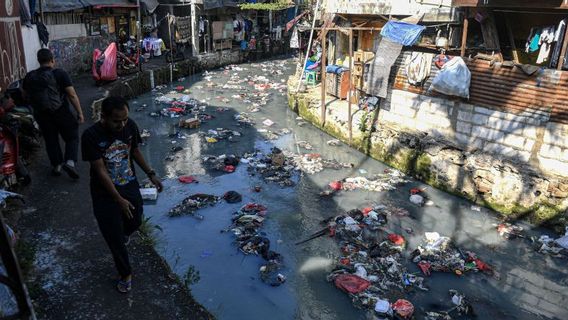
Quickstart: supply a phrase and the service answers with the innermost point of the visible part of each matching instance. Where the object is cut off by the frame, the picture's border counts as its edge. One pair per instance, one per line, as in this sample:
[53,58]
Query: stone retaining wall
[495,159]
[526,137]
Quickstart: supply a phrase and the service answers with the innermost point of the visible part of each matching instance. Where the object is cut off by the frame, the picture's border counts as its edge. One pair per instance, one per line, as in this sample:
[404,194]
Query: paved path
[74,272]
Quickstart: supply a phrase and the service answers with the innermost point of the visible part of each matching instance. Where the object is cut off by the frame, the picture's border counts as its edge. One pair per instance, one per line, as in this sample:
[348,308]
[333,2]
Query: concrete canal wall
[516,164]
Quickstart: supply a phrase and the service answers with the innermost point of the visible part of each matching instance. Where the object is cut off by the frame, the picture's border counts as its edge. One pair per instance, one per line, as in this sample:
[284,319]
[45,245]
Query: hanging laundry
[547,37]
[559,39]
[295,40]
[418,66]
[533,40]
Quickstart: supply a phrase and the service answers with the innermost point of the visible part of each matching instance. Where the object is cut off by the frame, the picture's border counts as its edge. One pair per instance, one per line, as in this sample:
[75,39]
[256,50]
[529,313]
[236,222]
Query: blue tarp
[401,32]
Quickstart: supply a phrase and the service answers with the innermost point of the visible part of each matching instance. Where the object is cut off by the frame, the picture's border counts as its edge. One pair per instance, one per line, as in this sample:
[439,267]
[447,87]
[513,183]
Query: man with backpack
[50,93]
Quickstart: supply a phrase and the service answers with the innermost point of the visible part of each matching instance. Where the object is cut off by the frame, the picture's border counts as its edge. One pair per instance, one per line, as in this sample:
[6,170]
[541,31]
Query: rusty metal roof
[502,88]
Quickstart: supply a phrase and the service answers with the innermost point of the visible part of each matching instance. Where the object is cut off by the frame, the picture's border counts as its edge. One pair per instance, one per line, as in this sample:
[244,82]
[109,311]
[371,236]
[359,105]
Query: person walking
[50,91]
[111,147]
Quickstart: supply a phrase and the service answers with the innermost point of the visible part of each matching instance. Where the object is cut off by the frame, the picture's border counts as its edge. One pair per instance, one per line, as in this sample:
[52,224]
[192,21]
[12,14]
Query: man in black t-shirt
[50,90]
[111,147]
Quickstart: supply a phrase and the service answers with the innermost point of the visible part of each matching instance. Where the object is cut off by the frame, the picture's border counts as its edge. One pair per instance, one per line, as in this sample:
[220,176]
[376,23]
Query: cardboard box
[191,123]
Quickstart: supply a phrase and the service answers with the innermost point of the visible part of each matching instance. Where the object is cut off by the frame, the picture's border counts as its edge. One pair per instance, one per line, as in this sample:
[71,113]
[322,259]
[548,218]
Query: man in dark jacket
[50,93]
[111,147]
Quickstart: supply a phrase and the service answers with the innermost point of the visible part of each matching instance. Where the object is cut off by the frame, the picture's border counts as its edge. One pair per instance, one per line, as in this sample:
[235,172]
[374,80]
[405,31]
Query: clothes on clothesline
[154,45]
[547,36]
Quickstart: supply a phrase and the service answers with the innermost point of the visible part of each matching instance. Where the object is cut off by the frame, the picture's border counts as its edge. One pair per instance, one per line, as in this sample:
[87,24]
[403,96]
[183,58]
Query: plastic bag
[454,79]
[104,64]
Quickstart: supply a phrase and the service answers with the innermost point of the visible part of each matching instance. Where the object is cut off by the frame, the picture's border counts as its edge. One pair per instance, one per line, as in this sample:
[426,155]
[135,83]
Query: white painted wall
[31,46]
[394,7]
[65,31]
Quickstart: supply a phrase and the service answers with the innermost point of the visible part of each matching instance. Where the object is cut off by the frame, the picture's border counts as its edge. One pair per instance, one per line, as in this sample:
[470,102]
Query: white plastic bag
[454,79]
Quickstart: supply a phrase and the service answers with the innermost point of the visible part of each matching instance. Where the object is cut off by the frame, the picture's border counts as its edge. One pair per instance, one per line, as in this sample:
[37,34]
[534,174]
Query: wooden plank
[563,51]
[350,118]
[464,33]
[323,74]
[511,38]
[511,4]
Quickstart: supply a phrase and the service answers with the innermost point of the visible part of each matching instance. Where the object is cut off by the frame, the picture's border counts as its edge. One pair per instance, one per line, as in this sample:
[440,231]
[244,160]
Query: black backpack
[44,91]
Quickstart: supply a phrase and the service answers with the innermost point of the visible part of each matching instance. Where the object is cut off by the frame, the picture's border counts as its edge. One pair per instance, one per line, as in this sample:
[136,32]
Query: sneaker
[71,171]
[56,171]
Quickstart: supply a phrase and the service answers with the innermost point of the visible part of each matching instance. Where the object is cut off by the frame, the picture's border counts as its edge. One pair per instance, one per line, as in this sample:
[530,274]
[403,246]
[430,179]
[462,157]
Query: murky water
[531,285]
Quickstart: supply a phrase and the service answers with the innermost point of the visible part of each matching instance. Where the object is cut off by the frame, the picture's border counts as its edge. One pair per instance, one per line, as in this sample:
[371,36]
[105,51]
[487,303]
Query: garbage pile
[273,167]
[191,204]
[370,266]
[381,182]
[554,247]
[246,224]
[225,163]
[218,134]
[438,253]
[313,163]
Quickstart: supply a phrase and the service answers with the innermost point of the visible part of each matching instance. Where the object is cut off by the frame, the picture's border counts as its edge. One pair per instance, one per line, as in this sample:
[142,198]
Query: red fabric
[187,179]
[345,261]
[366,211]
[415,191]
[482,266]
[351,283]
[396,239]
[179,88]
[425,267]
[175,109]
[336,185]
[403,308]
[229,169]
[107,71]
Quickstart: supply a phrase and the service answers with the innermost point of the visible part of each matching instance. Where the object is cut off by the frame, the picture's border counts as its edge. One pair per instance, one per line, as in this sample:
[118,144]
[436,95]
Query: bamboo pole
[464,33]
[309,46]
[323,74]
[350,118]
[171,50]
[511,38]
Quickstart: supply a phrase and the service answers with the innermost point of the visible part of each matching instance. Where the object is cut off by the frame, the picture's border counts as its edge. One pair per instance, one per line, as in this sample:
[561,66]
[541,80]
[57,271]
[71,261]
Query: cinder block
[465,116]
[553,166]
[550,151]
[529,144]
[480,119]
[405,111]
[463,127]
[492,113]
[438,108]
[530,131]
[486,133]
[465,107]
[514,141]
[506,125]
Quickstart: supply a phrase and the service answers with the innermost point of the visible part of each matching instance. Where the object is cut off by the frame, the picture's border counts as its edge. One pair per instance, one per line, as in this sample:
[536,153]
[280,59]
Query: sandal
[124,286]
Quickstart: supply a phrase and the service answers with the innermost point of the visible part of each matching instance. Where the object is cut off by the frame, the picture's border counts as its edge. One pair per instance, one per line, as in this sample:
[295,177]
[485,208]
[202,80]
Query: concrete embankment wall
[140,83]
[516,164]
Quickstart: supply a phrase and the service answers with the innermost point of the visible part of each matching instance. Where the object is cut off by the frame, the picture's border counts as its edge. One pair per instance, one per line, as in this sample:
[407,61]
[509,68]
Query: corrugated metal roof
[503,88]
[68,5]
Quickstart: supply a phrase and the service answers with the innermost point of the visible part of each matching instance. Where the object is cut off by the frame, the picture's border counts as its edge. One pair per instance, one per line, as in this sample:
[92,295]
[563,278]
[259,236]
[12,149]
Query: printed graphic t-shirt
[116,152]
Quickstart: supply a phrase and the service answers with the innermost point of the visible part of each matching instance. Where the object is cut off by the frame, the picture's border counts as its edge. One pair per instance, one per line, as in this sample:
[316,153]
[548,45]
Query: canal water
[531,286]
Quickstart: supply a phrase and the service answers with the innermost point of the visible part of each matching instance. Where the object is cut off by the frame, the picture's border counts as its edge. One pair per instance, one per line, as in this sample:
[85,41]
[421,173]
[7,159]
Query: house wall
[65,31]
[32,44]
[75,55]
[12,58]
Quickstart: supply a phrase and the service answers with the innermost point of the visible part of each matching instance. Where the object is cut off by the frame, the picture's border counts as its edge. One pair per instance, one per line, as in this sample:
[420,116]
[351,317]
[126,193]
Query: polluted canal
[382,243]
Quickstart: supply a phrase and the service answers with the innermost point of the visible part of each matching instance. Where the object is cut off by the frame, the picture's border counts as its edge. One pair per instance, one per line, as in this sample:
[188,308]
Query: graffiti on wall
[75,55]
[12,66]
